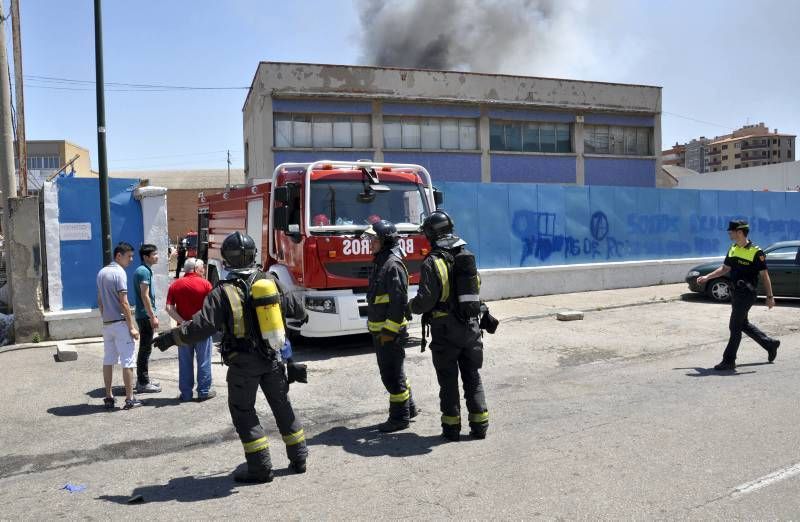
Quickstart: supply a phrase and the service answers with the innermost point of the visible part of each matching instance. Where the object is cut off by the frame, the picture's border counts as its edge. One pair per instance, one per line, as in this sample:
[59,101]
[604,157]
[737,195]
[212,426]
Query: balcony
[714,152]
[713,163]
[755,146]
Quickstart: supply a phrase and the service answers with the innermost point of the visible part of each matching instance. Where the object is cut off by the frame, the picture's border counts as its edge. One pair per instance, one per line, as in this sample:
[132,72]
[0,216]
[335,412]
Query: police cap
[739,224]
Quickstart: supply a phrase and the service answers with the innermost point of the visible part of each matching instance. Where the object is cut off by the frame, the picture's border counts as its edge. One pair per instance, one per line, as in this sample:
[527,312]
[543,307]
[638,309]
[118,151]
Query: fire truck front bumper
[333,313]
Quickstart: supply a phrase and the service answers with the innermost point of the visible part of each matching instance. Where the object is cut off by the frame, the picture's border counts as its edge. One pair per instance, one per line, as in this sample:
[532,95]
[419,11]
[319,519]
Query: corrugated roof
[199,179]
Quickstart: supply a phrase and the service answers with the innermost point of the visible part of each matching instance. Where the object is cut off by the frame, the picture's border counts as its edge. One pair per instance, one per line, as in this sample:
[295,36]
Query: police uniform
[456,344]
[250,365]
[745,263]
[387,297]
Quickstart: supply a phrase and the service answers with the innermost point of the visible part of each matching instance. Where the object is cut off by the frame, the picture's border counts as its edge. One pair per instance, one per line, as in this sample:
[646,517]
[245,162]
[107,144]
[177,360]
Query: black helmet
[437,225]
[238,251]
[384,230]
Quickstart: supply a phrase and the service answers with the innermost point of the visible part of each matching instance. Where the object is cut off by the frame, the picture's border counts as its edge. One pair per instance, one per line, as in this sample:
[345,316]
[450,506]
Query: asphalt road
[614,416]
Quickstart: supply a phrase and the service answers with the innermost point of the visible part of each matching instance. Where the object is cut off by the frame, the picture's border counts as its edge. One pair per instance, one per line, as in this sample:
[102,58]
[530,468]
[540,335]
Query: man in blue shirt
[145,316]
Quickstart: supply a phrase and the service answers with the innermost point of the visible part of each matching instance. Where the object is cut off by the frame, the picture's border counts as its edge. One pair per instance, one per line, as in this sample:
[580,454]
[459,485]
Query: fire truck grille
[360,270]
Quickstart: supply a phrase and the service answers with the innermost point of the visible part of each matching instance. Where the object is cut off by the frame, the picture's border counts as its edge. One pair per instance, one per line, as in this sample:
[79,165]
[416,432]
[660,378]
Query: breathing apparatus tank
[267,303]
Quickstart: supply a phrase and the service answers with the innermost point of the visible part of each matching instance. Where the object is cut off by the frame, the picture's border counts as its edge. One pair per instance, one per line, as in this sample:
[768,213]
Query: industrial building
[461,126]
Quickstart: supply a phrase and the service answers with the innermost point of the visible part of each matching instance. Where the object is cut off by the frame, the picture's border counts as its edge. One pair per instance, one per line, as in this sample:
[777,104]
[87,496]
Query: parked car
[783,263]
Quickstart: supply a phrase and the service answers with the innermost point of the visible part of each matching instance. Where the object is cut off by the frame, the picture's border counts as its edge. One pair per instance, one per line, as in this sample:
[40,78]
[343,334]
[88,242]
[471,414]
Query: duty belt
[741,283]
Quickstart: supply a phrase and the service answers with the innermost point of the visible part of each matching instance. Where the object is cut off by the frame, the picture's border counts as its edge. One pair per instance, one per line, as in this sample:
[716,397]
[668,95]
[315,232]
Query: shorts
[118,345]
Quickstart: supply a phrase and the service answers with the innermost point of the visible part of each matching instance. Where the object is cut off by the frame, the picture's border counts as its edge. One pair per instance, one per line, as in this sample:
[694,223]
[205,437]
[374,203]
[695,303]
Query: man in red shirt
[185,298]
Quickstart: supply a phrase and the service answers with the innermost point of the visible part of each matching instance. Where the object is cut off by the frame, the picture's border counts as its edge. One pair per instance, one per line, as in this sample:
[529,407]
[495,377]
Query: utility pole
[229,168]
[105,206]
[22,145]
[7,180]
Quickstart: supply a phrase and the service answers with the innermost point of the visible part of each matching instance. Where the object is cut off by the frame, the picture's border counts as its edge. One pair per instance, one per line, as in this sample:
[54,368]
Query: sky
[721,64]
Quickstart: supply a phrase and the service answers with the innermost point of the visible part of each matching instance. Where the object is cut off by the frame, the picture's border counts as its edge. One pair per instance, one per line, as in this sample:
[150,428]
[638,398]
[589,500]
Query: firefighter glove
[164,341]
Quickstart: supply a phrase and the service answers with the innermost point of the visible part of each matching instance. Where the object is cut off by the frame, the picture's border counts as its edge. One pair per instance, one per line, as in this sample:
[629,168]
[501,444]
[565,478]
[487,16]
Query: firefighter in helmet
[387,298]
[250,308]
[451,311]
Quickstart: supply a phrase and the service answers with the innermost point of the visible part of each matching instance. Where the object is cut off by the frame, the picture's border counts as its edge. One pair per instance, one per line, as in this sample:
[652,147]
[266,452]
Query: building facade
[750,146]
[45,157]
[695,156]
[460,126]
[674,156]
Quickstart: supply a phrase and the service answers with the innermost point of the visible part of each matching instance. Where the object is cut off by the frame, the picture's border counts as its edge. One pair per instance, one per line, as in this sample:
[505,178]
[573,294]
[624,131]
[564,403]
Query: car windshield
[345,204]
[782,252]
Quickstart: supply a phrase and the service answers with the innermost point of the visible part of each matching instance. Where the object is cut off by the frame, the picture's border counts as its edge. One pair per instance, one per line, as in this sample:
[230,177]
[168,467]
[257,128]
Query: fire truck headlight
[326,305]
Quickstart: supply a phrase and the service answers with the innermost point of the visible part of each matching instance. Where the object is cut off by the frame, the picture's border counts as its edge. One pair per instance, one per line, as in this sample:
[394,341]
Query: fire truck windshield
[346,205]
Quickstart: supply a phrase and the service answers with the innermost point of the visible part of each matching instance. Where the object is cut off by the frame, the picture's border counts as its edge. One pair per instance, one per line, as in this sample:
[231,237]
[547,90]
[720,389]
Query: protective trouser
[145,349]
[390,363]
[457,347]
[246,372]
[741,302]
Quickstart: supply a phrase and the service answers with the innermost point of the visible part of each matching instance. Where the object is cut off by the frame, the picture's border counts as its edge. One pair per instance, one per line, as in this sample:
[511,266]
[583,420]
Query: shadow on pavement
[780,302]
[182,489]
[369,442]
[11,465]
[711,372]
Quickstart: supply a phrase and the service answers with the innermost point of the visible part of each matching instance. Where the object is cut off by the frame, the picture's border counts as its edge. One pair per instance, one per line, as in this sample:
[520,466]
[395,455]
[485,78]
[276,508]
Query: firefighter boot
[259,468]
[298,465]
[478,430]
[392,425]
[451,432]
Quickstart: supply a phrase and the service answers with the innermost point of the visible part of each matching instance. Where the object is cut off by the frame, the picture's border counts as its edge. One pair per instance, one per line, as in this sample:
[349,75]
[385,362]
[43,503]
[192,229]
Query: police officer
[387,298]
[744,262]
[251,362]
[456,342]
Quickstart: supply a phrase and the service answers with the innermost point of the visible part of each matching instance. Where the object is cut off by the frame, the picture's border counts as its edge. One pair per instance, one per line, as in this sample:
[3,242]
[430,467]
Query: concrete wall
[777,178]
[508,283]
[25,277]
[333,89]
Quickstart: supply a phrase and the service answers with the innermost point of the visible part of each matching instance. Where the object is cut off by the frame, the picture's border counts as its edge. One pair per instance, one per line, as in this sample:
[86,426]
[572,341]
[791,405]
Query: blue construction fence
[519,224]
[79,202]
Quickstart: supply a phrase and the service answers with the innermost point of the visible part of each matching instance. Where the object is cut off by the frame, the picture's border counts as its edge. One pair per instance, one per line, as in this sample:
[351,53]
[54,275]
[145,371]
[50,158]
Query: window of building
[725,168]
[737,155]
[430,133]
[788,154]
[737,166]
[628,141]
[322,131]
[246,157]
[530,136]
[737,145]
[774,152]
[724,147]
[763,153]
[42,162]
[774,141]
[763,142]
[724,158]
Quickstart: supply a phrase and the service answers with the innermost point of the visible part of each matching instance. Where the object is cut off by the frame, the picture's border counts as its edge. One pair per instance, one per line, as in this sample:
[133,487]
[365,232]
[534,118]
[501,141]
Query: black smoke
[471,35]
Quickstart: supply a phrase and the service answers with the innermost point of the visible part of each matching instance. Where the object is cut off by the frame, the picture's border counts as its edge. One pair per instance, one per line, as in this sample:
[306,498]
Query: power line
[176,155]
[134,86]
[728,127]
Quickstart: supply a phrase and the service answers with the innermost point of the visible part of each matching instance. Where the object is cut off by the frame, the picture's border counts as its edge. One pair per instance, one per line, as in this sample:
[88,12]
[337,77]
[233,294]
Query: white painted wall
[778,178]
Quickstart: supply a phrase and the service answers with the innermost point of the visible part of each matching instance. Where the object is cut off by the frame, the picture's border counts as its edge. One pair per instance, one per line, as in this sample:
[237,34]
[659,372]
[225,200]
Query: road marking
[767,480]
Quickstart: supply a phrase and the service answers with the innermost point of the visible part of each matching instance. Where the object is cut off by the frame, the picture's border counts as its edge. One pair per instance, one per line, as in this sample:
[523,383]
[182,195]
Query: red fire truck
[307,221]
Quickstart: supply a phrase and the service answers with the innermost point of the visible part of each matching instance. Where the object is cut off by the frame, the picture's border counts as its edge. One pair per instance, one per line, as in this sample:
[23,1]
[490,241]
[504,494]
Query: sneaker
[210,395]
[725,366]
[150,387]
[772,351]
[110,403]
[132,403]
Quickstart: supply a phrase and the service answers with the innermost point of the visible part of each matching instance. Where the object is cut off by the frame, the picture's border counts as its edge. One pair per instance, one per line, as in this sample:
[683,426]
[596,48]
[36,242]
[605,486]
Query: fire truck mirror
[282,194]
[282,218]
[438,197]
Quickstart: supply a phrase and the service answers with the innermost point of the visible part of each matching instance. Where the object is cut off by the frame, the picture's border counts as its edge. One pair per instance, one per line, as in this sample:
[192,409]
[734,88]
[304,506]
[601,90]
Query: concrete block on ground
[66,352]
[569,315]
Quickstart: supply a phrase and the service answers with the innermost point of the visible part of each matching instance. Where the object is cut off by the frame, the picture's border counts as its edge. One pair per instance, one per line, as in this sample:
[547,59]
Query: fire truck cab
[307,223]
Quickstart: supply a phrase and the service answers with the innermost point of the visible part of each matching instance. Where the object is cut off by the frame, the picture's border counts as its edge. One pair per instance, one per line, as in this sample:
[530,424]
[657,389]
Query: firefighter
[387,298]
[456,343]
[251,361]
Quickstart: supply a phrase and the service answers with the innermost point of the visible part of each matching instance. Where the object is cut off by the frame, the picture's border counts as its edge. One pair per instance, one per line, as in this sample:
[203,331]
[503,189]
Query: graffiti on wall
[645,235]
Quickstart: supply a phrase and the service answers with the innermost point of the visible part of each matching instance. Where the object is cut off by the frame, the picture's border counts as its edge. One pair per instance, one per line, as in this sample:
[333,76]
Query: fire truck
[307,223]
